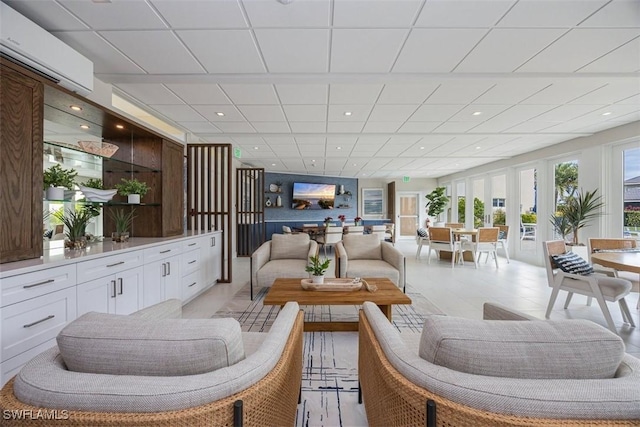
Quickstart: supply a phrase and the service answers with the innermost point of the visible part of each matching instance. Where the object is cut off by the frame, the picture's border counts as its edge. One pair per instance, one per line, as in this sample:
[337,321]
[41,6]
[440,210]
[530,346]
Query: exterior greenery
[529,218]
[499,217]
[631,218]
[436,201]
[132,186]
[478,211]
[316,267]
[56,176]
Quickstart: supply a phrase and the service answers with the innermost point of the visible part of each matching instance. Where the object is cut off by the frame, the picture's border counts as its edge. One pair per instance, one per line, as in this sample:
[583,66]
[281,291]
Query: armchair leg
[607,315]
[625,311]
[237,413]
[552,301]
[431,413]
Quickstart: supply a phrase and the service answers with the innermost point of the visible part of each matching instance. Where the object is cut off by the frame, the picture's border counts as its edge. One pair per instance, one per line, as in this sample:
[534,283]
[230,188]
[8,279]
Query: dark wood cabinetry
[21,111]
[172,188]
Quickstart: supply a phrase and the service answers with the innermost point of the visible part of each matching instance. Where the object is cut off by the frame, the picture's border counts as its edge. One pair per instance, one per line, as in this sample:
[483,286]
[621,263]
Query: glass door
[408,216]
[527,248]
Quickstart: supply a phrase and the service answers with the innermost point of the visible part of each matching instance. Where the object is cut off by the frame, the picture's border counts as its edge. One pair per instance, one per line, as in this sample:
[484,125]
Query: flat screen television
[310,196]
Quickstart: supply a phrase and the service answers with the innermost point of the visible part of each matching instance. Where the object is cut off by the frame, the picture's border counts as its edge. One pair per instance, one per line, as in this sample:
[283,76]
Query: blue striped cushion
[572,263]
[422,232]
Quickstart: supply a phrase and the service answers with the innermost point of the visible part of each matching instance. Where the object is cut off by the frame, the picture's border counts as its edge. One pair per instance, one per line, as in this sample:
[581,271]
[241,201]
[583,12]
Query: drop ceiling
[365,88]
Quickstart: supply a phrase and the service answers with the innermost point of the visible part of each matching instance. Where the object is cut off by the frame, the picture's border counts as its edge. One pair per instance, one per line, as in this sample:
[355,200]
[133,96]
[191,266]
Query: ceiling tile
[392,113]
[535,13]
[248,94]
[307,50]
[368,51]
[459,92]
[487,111]
[625,59]
[563,91]
[306,113]
[231,113]
[295,14]
[235,127]
[531,127]
[150,93]
[347,127]
[47,14]
[578,48]
[617,13]
[462,13]
[262,113]
[280,140]
[504,50]
[145,47]
[381,127]
[199,94]
[359,113]
[511,117]
[406,93]
[308,127]
[224,51]
[201,14]
[200,127]
[435,113]
[179,113]
[419,127]
[512,91]
[635,100]
[115,15]
[354,93]
[436,50]
[377,13]
[564,113]
[455,127]
[303,93]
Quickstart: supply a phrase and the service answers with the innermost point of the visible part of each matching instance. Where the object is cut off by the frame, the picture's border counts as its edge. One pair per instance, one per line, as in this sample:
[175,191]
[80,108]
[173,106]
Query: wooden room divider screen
[250,210]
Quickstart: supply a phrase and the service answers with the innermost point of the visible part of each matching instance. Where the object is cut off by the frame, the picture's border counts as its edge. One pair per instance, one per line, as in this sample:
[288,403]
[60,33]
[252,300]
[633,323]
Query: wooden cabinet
[21,118]
[172,188]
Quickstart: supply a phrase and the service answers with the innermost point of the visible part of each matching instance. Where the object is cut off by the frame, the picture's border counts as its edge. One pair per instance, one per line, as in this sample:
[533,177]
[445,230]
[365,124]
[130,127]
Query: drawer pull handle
[169,269]
[192,244]
[164,269]
[117,263]
[191,262]
[38,284]
[51,316]
[164,252]
[120,284]
[192,284]
[113,288]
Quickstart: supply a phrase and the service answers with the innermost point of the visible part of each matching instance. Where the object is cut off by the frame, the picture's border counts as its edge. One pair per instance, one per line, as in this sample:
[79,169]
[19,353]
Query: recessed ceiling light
[75,108]
[477,113]
[219,113]
[338,148]
[422,148]
[355,164]
[120,126]
[255,148]
[84,126]
[608,113]
[478,147]
[347,113]
[273,164]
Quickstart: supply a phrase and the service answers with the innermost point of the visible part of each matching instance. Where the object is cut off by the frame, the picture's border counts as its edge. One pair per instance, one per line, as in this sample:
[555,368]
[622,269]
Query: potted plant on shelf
[317,269]
[436,202]
[75,223]
[56,179]
[133,189]
[122,222]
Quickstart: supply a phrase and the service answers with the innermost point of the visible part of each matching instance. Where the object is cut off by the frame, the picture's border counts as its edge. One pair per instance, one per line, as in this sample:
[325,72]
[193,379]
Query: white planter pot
[318,280]
[55,193]
[133,199]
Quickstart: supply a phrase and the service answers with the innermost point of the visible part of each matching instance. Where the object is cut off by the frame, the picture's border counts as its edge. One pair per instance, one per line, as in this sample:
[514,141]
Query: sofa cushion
[572,263]
[373,268]
[569,349]
[365,246]
[124,345]
[290,246]
[283,268]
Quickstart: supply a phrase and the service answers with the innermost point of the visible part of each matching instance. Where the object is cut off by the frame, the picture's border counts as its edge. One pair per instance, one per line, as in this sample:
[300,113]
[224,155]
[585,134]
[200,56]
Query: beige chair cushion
[574,349]
[290,246]
[102,343]
[365,246]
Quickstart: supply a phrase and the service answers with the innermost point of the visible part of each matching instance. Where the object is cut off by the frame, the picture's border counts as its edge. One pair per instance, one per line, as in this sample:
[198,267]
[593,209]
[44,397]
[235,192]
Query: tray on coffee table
[331,284]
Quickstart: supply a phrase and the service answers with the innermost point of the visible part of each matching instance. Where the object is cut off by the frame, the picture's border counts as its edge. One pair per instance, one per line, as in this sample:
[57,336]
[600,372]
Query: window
[498,203]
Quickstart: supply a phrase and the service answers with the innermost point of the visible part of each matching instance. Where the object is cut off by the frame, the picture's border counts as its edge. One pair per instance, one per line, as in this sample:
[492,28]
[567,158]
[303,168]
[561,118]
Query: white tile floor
[461,291]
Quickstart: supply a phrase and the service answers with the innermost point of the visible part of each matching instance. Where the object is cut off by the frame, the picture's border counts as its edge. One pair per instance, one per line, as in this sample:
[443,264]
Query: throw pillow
[572,263]
[564,349]
[422,232]
[362,246]
[102,343]
[502,235]
[290,246]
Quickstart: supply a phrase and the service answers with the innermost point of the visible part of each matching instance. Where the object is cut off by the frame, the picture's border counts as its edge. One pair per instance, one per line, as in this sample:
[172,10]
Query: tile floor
[461,291]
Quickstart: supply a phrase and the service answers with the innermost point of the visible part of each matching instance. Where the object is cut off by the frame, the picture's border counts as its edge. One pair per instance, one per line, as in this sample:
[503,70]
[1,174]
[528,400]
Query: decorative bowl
[98,148]
[96,195]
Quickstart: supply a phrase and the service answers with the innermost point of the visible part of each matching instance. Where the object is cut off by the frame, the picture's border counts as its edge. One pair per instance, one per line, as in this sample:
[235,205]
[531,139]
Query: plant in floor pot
[56,179]
[122,222]
[75,223]
[436,202]
[133,189]
[317,268]
[579,209]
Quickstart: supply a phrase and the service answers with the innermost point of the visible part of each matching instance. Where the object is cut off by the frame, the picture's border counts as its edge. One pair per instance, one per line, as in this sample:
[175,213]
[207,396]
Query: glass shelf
[73,157]
[107,204]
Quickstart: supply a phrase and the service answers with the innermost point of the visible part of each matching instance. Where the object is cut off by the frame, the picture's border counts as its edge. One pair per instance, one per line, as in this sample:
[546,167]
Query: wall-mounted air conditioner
[24,41]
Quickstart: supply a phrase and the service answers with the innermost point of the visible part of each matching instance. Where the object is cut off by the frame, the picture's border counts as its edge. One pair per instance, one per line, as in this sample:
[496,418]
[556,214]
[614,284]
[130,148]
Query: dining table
[458,233]
[624,261]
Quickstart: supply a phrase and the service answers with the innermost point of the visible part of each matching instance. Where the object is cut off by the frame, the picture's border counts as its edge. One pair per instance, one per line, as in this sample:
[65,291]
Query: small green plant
[436,201]
[132,186]
[55,176]
[94,183]
[75,222]
[317,268]
[122,220]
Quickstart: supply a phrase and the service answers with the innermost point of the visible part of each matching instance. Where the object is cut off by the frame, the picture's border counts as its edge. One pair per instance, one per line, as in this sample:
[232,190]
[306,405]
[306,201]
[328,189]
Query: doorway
[408,216]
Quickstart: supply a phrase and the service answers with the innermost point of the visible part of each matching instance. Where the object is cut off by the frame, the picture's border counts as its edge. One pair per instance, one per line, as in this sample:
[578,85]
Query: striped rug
[330,374]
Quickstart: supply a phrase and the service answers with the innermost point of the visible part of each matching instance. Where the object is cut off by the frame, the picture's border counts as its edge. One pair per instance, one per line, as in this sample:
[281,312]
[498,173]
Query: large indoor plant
[576,212]
[436,202]
[133,189]
[317,268]
[56,179]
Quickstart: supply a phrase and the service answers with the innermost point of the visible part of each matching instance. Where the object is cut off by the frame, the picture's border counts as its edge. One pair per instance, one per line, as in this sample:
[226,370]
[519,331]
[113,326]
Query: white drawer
[191,261]
[30,285]
[191,285]
[105,266]
[191,244]
[10,368]
[33,322]
[157,253]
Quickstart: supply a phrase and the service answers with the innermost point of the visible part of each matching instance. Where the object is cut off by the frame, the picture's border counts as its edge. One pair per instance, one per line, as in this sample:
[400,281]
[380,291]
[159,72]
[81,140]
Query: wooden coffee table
[285,290]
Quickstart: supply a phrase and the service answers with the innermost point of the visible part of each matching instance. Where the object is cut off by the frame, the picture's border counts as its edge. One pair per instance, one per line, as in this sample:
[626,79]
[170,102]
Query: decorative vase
[278,201]
[268,203]
[55,193]
[79,243]
[318,280]
[133,199]
[120,237]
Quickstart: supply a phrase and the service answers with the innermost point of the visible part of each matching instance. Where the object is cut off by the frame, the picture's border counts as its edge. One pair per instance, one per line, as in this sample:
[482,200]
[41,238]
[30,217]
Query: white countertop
[56,255]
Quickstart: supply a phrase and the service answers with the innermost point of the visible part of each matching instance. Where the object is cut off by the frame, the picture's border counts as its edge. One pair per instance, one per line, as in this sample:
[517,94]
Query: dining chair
[379,230]
[332,235]
[422,238]
[596,244]
[566,271]
[286,229]
[528,231]
[503,240]
[441,239]
[485,241]
[390,233]
[355,229]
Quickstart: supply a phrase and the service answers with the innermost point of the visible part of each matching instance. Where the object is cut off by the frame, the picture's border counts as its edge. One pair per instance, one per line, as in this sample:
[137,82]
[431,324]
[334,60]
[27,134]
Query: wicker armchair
[395,398]
[271,400]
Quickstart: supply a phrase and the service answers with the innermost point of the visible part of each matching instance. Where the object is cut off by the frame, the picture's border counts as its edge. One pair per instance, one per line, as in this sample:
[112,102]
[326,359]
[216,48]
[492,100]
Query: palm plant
[579,209]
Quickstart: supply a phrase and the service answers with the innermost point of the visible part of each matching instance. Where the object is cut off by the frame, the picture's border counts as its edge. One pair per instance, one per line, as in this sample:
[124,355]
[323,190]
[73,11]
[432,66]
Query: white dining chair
[441,239]
[485,241]
[332,235]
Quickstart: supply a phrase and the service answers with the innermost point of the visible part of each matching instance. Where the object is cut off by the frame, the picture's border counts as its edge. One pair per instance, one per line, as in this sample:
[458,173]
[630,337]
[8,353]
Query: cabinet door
[129,291]
[152,290]
[172,188]
[97,295]
[216,256]
[173,279]
[21,122]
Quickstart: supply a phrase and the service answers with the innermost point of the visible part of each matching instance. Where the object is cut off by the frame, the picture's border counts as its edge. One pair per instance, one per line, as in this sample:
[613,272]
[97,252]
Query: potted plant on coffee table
[56,179]
[133,189]
[122,222]
[317,268]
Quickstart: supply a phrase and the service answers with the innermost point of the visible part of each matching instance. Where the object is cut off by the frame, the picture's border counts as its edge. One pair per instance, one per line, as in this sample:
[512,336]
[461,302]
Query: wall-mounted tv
[313,196]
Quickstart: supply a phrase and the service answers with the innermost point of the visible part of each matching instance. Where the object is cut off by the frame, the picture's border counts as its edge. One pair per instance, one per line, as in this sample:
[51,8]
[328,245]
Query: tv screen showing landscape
[308,196]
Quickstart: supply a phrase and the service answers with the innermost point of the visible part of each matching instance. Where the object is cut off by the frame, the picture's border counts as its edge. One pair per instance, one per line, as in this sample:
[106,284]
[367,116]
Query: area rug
[330,374]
